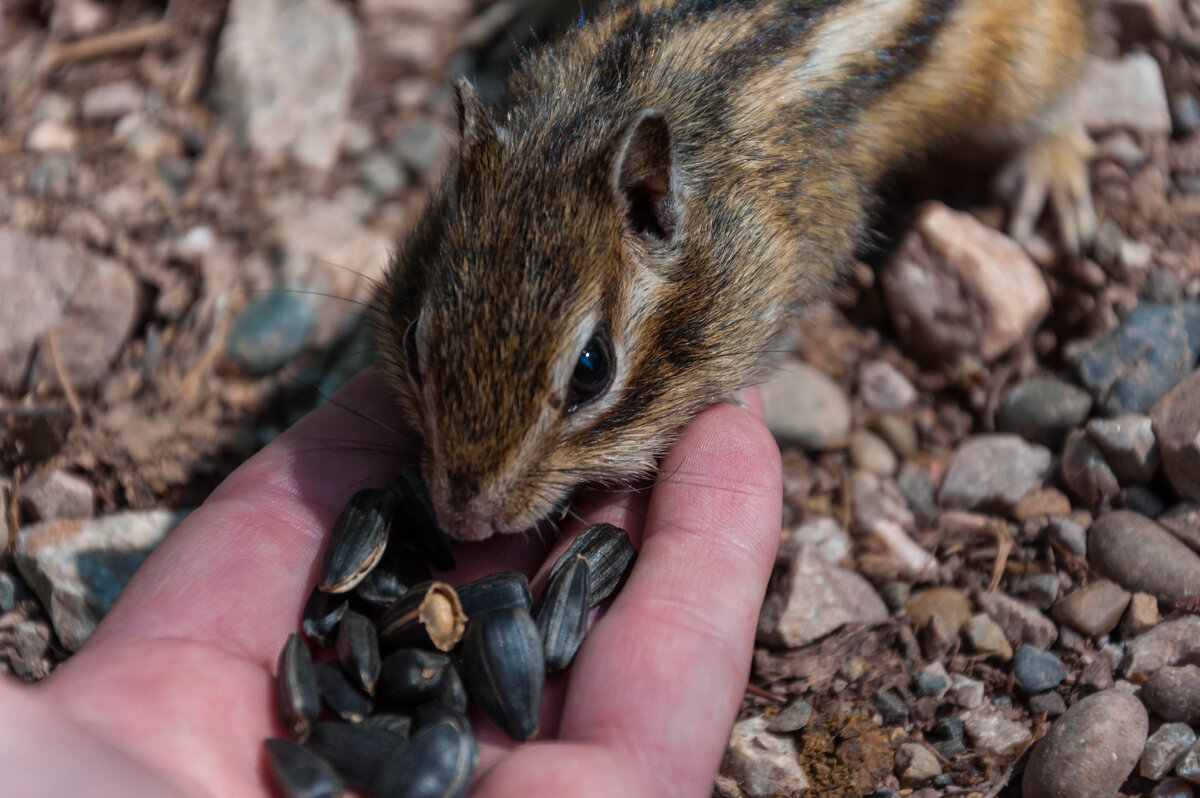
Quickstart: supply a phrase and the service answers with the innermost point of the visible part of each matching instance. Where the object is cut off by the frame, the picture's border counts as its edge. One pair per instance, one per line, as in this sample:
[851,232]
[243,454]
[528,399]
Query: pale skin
[173,694]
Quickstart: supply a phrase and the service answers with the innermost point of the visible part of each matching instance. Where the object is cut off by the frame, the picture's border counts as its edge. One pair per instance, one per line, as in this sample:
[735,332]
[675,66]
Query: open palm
[173,693]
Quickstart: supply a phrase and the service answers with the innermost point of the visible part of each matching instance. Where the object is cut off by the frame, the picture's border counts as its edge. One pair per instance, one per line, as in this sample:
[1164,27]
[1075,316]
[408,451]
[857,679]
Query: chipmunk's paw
[1054,168]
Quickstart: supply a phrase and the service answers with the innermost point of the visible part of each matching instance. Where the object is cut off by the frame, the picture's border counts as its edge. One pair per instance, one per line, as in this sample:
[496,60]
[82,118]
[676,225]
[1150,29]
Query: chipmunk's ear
[476,129]
[643,179]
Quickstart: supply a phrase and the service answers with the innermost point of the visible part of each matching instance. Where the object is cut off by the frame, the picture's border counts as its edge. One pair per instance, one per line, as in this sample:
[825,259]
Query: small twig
[64,379]
[12,516]
[1004,545]
[108,43]
[759,692]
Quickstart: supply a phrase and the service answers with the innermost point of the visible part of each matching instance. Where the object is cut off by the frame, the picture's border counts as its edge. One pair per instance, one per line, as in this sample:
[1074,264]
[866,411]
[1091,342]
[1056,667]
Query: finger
[236,572]
[660,678]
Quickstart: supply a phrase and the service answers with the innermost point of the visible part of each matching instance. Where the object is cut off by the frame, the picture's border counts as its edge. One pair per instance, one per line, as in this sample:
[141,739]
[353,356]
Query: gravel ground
[989,573]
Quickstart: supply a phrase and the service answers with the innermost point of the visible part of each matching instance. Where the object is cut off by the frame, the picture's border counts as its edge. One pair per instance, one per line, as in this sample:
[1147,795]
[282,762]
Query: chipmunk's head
[523,324]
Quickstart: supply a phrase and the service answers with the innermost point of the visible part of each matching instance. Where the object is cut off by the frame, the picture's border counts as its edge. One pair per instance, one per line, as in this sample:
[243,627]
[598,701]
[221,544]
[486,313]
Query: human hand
[173,694]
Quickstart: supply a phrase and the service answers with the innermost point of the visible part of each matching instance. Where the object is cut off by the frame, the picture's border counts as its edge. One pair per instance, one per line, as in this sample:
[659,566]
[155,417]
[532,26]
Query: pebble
[949,606]
[1188,766]
[269,332]
[1128,368]
[420,144]
[931,681]
[890,553]
[822,536]
[1021,623]
[33,433]
[1126,93]
[1142,615]
[1069,535]
[792,718]
[884,387]
[993,472]
[23,645]
[968,693]
[896,594]
[874,498]
[893,710]
[806,408]
[1171,642]
[1141,500]
[79,567]
[110,101]
[915,484]
[1037,671]
[898,432]
[1172,788]
[1140,555]
[51,135]
[1165,748]
[870,453]
[762,763]
[46,495]
[986,637]
[993,733]
[1044,410]
[957,287]
[1041,502]
[285,73]
[1173,693]
[1183,521]
[1050,704]
[916,765]
[1085,473]
[1092,610]
[1040,590]
[809,598]
[1096,675]
[1176,420]
[1128,445]
[379,172]
[1090,750]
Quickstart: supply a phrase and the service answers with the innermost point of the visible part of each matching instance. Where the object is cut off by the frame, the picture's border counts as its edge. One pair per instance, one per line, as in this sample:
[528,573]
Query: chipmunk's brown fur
[677,178]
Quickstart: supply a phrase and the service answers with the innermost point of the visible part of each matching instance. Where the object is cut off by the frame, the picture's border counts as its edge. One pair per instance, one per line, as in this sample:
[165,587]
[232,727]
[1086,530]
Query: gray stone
[79,567]
[870,453]
[986,637]
[285,74]
[380,174]
[958,288]
[883,387]
[994,734]
[1044,410]
[1142,615]
[1172,642]
[915,486]
[422,144]
[898,432]
[1021,623]
[792,718]
[808,599]
[931,680]
[1173,693]
[1188,766]
[916,765]
[764,764]
[1140,499]
[1140,555]
[889,553]
[1093,610]
[1130,367]
[1040,590]
[1172,788]
[269,332]
[46,495]
[1085,473]
[1125,93]
[822,536]
[1050,704]
[111,100]
[1036,670]
[49,288]
[895,594]
[1177,426]
[1096,675]
[1090,750]
[968,693]
[1183,521]
[874,498]
[1069,535]
[1165,748]
[1128,445]
[806,408]
[992,472]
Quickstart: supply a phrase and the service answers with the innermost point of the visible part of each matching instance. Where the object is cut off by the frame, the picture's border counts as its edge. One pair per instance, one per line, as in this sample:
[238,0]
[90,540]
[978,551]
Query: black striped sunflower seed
[491,592]
[296,693]
[358,650]
[357,541]
[562,614]
[429,614]
[504,670]
[411,676]
[340,694]
[610,557]
[299,772]
[436,763]
[322,612]
[355,750]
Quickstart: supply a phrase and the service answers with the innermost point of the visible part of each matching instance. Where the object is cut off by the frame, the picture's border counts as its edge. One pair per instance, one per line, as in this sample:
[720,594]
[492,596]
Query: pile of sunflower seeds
[385,712]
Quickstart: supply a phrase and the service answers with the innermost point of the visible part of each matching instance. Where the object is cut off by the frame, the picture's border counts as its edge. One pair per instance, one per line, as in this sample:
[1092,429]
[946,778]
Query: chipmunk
[666,186]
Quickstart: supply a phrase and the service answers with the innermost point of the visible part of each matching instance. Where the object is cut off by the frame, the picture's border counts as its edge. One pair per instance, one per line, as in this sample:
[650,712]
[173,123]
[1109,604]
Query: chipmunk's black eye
[593,372]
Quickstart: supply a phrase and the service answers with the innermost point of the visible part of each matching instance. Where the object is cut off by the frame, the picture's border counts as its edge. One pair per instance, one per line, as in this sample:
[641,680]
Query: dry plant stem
[107,44]
[64,379]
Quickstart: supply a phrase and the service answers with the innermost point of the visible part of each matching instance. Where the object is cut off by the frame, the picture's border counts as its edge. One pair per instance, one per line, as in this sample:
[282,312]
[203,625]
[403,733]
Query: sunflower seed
[392,721]
[340,694]
[562,614]
[428,614]
[412,676]
[452,694]
[418,520]
[296,692]
[357,541]
[358,650]
[504,670]
[355,750]
[400,569]
[322,612]
[299,772]
[427,715]
[610,557]
[502,589]
[436,763]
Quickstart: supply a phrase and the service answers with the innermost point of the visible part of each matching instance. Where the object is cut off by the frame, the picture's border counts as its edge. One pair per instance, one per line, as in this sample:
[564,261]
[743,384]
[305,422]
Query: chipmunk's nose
[462,512]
